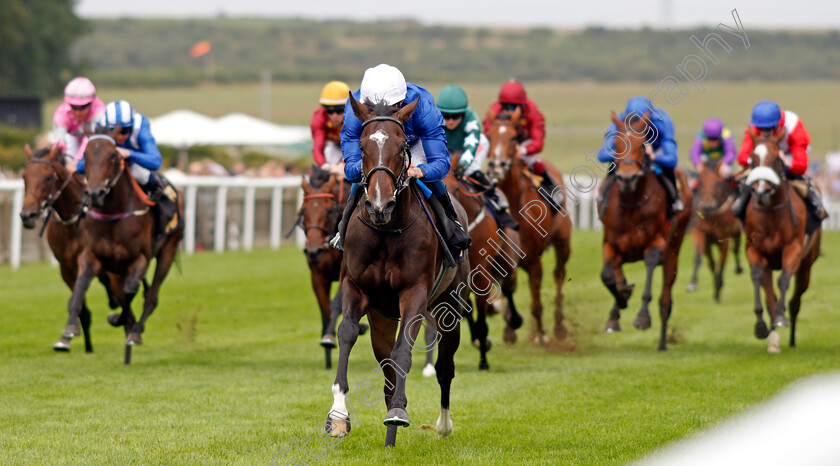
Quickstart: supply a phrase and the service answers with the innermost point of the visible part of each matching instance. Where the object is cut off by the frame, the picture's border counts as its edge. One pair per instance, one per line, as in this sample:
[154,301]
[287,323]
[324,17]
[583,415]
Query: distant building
[20,111]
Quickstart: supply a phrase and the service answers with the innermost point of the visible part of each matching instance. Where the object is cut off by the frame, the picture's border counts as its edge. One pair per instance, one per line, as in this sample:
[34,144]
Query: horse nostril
[389,206]
[368,205]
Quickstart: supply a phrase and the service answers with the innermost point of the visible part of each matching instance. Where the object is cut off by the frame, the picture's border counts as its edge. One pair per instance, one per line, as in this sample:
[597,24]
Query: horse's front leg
[136,272]
[757,266]
[89,267]
[338,419]
[413,302]
[653,257]
[699,245]
[609,274]
[791,257]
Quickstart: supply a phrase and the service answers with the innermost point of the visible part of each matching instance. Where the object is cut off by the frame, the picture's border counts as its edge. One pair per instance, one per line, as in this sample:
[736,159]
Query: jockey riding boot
[669,181]
[547,186]
[165,210]
[496,200]
[456,237]
[338,240]
[739,205]
[815,203]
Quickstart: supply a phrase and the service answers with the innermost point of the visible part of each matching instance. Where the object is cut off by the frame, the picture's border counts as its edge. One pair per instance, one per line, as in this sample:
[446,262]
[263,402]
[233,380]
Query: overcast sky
[558,14]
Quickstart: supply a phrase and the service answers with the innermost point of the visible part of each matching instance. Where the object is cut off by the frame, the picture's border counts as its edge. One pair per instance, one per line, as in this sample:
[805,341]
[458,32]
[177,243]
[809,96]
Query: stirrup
[336,242]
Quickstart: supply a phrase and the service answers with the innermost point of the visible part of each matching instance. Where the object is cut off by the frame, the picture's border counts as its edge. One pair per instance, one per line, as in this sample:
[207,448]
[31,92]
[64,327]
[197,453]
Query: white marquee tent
[185,128]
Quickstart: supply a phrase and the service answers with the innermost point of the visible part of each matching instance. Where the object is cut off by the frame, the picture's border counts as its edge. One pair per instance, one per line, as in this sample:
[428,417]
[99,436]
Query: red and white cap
[79,91]
[383,83]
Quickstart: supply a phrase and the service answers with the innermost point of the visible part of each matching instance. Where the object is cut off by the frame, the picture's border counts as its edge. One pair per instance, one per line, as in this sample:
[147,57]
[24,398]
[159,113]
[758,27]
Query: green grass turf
[577,113]
[231,372]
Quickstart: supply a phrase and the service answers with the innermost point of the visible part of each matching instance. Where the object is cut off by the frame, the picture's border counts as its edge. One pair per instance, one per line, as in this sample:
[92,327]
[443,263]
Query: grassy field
[577,114]
[231,373]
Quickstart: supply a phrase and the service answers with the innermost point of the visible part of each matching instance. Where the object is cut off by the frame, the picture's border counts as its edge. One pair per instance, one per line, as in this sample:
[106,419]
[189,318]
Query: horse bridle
[47,204]
[110,182]
[402,180]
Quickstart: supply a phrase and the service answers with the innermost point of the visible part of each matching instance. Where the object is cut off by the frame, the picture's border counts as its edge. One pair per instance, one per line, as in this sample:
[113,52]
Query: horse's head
[318,214]
[42,182]
[712,189]
[631,158]
[767,166]
[502,137]
[385,155]
[103,165]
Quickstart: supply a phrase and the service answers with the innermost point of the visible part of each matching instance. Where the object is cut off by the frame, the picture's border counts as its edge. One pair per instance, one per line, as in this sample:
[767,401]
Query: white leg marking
[339,406]
[444,424]
[429,370]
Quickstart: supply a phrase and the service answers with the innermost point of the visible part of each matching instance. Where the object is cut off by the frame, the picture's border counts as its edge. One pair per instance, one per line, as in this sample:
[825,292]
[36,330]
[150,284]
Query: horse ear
[54,152]
[516,116]
[361,110]
[614,119]
[307,188]
[115,132]
[28,151]
[330,185]
[404,113]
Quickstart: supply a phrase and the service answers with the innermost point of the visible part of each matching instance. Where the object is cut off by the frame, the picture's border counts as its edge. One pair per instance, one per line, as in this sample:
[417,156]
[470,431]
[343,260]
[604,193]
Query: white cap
[383,82]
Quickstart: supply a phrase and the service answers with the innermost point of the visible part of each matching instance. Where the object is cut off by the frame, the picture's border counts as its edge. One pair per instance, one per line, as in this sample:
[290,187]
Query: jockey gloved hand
[124,153]
[415,172]
[724,170]
[649,152]
[466,159]
[522,150]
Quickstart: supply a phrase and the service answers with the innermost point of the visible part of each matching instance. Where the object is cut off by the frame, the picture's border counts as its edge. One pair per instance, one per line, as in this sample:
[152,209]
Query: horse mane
[318,176]
[503,116]
[381,108]
[41,153]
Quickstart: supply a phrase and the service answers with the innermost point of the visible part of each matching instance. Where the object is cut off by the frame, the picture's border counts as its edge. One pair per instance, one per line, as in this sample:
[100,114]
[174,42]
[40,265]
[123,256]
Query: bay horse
[777,238]
[394,272]
[497,252]
[323,198]
[636,227]
[119,237]
[536,234]
[716,225]
[55,194]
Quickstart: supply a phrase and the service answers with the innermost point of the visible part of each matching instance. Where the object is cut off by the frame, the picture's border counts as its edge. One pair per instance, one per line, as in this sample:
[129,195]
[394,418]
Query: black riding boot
[338,240]
[739,205]
[456,237]
[815,203]
[165,210]
[548,184]
[496,201]
[669,181]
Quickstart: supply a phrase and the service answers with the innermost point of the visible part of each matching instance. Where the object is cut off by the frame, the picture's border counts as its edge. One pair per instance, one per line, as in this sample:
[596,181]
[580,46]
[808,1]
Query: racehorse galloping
[119,238]
[319,214]
[636,228]
[524,198]
[716,225]
[777,239]
[497,251]
[55,194]
[394,270]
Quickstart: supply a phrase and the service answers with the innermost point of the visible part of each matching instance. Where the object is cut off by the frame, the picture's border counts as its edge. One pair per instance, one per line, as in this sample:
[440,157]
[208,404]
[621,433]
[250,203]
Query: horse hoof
[781,320]
[691,287]
[444,426]
[739,271]
[773,343]
[509,336]
[761,331]
[476,343]
[363,328]
[483,366]
[642,322]
[429,370]
[62,346]
[337,427]
[397,417]
[134,339]
[612,327]
[540,339]
[328,341]
[71,331]
[114,318]
[515,321]
[561,332]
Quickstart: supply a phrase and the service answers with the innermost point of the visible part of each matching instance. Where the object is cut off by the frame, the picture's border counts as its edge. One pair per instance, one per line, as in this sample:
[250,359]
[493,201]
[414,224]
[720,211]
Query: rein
[111,183]
[48,203]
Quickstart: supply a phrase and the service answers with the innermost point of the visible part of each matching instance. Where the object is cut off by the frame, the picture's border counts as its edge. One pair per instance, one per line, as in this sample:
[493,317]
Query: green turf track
[231,373]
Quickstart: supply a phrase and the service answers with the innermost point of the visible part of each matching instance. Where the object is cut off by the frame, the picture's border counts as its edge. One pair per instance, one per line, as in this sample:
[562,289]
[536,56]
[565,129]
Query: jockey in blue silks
[661,148]
[425,135]
[138,148]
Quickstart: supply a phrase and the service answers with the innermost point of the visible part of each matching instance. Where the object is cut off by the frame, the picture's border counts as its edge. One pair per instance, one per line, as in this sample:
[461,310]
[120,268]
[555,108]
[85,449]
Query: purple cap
[713,128]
